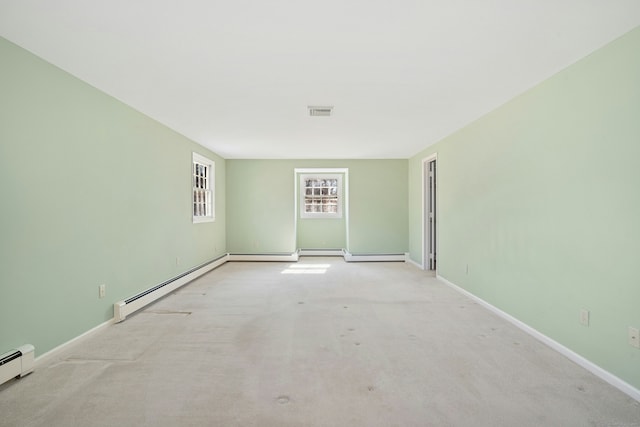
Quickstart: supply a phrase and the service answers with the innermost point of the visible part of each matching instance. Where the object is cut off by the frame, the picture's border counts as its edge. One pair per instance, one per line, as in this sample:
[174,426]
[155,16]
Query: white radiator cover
[349,257]
[16,363]
[122,309]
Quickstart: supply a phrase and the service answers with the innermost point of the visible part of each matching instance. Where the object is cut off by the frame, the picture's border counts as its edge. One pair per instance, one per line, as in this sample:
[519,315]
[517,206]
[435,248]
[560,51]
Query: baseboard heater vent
[16,363]
[349,257]
[321,252]
[274,257]
[122,309]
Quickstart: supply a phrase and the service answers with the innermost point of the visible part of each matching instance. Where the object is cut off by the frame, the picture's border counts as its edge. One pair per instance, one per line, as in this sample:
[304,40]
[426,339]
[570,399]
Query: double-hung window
[203,179]
[321,195]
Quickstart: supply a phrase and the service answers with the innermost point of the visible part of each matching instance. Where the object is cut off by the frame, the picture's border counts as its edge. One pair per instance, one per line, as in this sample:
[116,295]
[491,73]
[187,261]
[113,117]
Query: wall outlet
[177,260]
[466,270]
[634,337]
[102,291]
[584,317]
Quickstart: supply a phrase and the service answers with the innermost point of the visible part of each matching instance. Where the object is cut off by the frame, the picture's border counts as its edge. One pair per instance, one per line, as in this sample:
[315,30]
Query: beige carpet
[317,343]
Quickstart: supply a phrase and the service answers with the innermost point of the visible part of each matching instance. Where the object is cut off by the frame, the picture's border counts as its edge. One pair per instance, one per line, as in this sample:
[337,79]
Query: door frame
[426,195]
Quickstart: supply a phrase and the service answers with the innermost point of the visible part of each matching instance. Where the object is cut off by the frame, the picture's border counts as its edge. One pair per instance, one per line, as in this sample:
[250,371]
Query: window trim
[320,215]
[210,184]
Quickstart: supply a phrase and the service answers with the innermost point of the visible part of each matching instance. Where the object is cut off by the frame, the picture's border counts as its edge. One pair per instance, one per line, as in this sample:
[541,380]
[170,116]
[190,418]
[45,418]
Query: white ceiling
[237,76]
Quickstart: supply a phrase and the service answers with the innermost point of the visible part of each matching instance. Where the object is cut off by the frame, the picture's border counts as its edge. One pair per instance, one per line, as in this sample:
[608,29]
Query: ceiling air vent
[320,111]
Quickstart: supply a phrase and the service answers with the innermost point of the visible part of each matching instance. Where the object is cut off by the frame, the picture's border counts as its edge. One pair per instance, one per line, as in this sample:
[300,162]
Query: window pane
[319,195]
[203,196]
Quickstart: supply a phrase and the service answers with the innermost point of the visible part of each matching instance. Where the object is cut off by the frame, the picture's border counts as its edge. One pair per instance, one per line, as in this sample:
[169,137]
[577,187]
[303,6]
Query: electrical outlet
[584,317]
[467,269]
[102,291]
[634,337]
[177,260]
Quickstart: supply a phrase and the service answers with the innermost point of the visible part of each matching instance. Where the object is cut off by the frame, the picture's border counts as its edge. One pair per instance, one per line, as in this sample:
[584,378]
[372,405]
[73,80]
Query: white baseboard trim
[349,257]
[264,257]
[599,372]
[321,252]
[46,357]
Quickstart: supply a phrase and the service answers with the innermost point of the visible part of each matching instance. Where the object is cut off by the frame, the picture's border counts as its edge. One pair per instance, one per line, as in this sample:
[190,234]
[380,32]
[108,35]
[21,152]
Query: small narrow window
[321,196]
[203,177]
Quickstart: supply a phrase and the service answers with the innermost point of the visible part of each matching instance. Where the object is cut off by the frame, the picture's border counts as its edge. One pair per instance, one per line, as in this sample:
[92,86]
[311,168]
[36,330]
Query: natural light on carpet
[306,269]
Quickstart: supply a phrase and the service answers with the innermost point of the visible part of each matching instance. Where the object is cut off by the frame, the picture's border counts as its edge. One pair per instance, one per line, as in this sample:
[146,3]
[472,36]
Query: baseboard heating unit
[16,363]
[122,309]
[274,257]
[349,257]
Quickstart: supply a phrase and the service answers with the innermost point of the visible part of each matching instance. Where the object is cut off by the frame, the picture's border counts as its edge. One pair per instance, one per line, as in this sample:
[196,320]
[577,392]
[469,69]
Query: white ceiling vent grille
[320,111]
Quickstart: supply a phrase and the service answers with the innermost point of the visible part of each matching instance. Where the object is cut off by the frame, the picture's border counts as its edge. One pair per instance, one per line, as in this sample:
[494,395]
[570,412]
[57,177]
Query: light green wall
[92,193]
[319,233]
[260,205]
[540,198]
[378,210]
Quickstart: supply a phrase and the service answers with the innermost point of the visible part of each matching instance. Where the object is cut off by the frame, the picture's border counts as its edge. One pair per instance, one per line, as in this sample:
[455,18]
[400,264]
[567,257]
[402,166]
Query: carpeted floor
[317,343]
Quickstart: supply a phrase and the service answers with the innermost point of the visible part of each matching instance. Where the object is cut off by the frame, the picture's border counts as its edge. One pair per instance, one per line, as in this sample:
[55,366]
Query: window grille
[321,196]
[203,185]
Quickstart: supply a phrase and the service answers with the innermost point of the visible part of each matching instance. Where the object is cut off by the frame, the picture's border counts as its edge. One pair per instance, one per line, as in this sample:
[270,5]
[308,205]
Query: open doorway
[429,238]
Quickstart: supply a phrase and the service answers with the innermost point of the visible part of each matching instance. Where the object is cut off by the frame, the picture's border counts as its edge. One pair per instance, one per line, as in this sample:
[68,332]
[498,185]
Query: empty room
[338,213]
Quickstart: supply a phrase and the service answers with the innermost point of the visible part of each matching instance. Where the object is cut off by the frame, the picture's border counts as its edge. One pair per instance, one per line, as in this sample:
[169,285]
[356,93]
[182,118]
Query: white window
[203,174]
[321,195]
